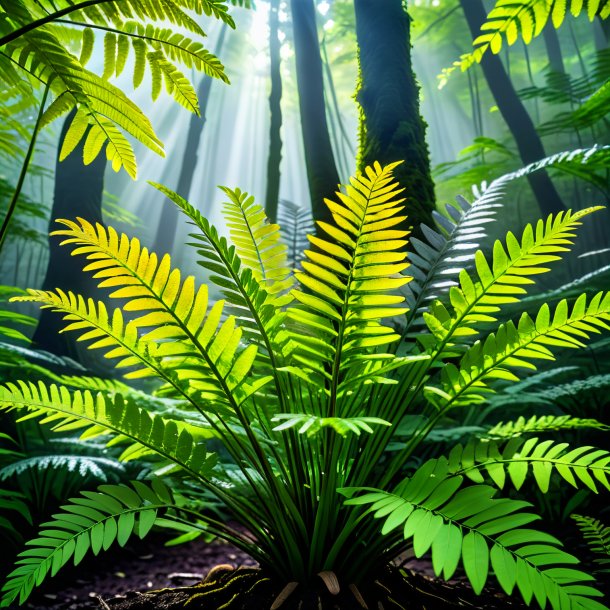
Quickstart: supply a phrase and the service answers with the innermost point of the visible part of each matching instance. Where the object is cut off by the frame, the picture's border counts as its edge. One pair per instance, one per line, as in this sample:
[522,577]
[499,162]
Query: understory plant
[303,379]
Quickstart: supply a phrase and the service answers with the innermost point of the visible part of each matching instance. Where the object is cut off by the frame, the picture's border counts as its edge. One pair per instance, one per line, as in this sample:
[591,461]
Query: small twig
[174,575]
[102,603]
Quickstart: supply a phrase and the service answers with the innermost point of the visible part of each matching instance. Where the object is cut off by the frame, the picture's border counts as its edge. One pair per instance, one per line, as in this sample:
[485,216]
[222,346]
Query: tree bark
[166,230]
[553,48]
[392,128]
[601,33]
[275,108]
[515,115]
[322,174]
[78,191]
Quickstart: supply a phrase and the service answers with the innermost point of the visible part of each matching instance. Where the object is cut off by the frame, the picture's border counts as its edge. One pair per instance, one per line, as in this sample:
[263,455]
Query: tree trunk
[78,191]
[601,33]
[553,48]
[166,231]
[392,128]
[322,174]
[515,115]
[275,109]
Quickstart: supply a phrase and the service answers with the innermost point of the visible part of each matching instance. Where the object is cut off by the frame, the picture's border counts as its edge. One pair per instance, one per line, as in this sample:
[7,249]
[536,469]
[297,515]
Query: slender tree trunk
[601,33]
[514,113]
[166,231]
[388,94]
[600,36]
[275,109]
[78,191]
[344,147]
[553,48]
[322,174]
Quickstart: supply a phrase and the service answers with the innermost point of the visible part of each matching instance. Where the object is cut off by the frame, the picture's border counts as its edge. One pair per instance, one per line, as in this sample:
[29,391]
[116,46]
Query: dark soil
[141,578]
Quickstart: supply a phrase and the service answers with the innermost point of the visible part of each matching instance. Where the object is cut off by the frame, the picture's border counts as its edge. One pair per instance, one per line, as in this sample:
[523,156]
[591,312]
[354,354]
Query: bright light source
[323,7]
[328,25]
[259,28]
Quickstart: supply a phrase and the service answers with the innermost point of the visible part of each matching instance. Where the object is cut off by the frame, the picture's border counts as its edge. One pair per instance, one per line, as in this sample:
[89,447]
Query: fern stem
[24,170]
[48,19]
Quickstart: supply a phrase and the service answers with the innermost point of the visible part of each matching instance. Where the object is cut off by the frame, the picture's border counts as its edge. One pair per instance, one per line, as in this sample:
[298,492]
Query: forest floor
[102,583]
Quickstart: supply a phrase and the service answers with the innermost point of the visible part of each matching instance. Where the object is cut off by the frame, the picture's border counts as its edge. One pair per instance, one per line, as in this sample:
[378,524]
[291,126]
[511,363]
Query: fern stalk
[24,170]
[51,17]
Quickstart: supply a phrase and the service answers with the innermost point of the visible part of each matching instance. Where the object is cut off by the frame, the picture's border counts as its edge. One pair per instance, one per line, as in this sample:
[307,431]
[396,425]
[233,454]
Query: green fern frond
[257,241]
[514,347]
[174,45]
[436,512]
[348,279]
[15,502]
[81,465]
[502,282]
[513,20]
[37,38]
[519,457]
[100,103]
[542,423]
[176,83]
[311,424]
[91,522]
[194,344]
[258,310]
[597,537]
[177,442]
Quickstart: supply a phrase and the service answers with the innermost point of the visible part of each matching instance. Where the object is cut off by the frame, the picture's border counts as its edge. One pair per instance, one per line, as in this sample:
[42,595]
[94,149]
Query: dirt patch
[130,579]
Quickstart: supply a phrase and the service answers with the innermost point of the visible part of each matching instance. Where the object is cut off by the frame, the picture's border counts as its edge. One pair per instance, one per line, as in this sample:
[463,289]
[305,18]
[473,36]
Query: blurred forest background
[469,140]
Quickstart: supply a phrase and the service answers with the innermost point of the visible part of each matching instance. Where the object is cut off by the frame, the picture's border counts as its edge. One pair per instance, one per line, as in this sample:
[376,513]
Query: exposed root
[252,589]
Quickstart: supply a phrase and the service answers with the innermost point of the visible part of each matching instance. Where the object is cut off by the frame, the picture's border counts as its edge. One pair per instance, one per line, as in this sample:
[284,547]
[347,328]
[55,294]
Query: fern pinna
[307,383]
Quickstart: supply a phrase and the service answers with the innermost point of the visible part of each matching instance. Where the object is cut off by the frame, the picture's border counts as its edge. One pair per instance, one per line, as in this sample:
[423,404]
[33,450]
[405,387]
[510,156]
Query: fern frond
[542,423]
[597,537]
[36,38]
[91,522]
[175,46]
[177,442]
[82,465]
[195,347]
[518,457]
[502,282]
[513,346]
[437,261]
[176,83]
[513,20]
[347,281]
[258,310]
[296,223]
[256,240]
[100,102]
[312,424]
[436,512]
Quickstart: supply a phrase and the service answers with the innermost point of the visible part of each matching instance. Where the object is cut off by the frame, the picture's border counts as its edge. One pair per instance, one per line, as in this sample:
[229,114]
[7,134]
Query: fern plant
[49,44]
[512,20]
[305,384]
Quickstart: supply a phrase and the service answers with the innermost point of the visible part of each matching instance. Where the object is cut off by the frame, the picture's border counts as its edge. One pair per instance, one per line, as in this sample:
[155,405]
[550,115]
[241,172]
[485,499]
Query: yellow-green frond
[348,278]
[478,299]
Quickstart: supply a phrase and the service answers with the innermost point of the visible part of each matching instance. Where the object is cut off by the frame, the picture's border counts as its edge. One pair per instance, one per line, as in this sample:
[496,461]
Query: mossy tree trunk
[514,114]
[392,128]
[78,191]
[322,174]
[275,109]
